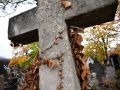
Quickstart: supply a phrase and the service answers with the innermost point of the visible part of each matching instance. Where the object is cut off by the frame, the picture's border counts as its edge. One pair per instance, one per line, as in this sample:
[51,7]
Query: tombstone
[50,19]
[114,61]
[1,83]
[99,70]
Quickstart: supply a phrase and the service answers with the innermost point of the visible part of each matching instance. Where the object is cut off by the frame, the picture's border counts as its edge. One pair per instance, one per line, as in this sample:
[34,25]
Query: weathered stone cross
[45,21]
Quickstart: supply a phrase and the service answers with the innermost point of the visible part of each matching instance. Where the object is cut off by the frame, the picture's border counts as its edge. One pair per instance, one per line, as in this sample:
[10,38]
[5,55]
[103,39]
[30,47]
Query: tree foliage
[99,39]
[115,50]
[24,55]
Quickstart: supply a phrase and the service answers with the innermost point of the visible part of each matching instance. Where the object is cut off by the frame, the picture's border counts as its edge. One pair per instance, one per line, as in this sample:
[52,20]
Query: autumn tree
[24,54]
[99,38]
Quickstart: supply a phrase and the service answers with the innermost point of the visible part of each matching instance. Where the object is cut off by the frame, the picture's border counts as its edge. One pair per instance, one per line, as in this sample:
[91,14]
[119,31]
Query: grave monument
[49,20]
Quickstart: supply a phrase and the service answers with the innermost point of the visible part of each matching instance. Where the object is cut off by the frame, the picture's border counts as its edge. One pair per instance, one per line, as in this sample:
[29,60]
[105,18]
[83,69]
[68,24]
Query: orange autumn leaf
[66,3]
[17,60]
[13,62]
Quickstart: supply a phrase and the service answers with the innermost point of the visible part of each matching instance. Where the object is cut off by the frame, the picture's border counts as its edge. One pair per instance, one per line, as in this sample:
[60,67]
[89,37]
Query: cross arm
[22,27]
[90,12]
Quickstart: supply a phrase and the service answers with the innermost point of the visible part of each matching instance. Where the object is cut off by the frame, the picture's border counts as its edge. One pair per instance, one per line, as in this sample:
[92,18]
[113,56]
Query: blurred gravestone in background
[1,83]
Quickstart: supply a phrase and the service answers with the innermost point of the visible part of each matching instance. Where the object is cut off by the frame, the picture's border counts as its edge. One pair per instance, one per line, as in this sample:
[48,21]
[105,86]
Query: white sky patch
[84,41]
[5,48]
[113,44]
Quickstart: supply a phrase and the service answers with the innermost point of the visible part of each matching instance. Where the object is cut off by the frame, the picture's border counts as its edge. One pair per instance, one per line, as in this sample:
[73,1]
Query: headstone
[1,83]
[99,70]
[50,20]
[114,61]
[110,73]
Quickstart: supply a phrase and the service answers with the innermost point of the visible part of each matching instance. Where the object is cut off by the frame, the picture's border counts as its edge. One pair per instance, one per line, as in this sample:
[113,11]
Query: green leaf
[27,62]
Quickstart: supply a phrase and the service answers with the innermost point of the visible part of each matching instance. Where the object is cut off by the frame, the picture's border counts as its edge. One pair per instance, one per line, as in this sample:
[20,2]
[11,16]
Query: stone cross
[46,21]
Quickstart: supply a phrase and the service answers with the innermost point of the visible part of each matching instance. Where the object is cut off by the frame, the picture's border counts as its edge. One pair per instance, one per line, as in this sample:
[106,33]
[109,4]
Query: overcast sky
[5,48]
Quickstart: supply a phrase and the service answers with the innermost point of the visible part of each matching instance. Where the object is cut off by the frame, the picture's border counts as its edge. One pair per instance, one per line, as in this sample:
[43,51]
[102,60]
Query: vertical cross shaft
[53,22]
